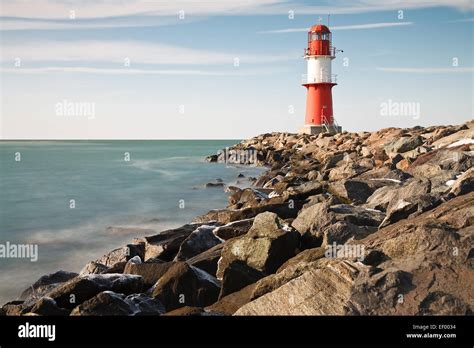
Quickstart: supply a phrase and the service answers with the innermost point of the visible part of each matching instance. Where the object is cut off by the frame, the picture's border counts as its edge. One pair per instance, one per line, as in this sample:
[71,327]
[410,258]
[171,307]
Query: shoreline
[375,198]
[68,243]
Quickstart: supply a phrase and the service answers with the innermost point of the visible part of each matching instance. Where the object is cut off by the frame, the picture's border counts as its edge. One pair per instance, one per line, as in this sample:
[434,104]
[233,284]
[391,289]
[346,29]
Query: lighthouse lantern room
[319,82]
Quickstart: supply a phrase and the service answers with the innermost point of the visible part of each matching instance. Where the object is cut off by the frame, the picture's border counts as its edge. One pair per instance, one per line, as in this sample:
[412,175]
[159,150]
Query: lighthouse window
[314,36]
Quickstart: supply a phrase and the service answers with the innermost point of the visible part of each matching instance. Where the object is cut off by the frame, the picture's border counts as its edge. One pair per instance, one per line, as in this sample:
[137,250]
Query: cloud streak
[55,14]
[128,71]
[9,24]
[463,20]
[341,27]
[57,9]
[438,70]
[118,52]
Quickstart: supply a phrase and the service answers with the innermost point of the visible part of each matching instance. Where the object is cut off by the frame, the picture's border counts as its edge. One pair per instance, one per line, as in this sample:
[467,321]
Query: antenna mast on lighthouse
[319,82]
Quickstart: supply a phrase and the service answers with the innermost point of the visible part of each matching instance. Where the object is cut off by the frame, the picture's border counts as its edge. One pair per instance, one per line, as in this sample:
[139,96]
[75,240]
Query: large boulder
[347,170]
[94,268]
[322,225]
[441,165]
[403,144]
[143,304]
[197,242]
[120,266]
[303,191]
[304,257]
[267,245]
[122,254]
[323,289]
[110,303]
[14,308]
[45,284]
[238,275]
[185,285]
[229,304]
[165,245]
[207,261]
[354,191]
[463,184]
[402,208]
[359,216]
[249,197]
[149,271]
[105,303]
[80,289]
[283,210]
[454,136]
[383,176]
[386,197]
[47,306]
[290,270]
[426,268]
[233,229]
[441,303]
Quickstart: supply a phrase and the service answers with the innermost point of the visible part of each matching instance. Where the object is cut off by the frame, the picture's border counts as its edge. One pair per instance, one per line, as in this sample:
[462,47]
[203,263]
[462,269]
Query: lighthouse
[319,82]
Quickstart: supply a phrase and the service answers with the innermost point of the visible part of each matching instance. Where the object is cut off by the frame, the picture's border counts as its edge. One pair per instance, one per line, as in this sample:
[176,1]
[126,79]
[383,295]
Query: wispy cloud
[117,52]
[341,27]
[128,71]
[8,24]
[80,14]
[54,14]
[438,70]
[371,25]
[54,9]
[463,20]
[284,31]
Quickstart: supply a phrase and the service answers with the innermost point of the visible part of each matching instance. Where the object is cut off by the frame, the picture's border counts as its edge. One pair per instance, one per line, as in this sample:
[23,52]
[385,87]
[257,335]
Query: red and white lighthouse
[319,82]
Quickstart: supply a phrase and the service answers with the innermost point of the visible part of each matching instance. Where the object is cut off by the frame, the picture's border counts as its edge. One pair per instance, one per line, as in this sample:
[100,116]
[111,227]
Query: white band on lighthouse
[319,69]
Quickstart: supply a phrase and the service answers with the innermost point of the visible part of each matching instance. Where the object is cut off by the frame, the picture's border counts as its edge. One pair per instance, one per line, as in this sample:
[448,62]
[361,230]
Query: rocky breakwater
[346,224]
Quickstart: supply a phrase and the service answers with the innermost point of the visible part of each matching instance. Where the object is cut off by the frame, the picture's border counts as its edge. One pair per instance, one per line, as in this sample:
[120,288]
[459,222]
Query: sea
[76,200]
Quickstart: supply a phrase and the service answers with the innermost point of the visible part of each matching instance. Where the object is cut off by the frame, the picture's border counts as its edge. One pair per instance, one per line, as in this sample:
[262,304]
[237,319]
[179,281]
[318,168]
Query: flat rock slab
[320,291]
[80,289]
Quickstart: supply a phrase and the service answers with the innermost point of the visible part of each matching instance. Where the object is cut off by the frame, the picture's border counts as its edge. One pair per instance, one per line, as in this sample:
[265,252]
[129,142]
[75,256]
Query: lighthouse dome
[319,28]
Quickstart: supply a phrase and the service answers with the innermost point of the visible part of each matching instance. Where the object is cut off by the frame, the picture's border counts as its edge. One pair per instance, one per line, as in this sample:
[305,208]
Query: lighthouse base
[316,129]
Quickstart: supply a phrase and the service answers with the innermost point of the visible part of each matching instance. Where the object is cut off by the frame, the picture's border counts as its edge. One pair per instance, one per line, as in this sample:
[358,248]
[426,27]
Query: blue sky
[182,81]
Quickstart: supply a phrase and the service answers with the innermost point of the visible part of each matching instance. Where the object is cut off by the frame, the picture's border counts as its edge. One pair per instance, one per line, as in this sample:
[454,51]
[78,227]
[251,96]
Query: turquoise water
[115,200]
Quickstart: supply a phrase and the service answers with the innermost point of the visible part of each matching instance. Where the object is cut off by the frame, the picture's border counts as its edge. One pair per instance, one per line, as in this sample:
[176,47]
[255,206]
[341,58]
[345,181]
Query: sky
[164,69]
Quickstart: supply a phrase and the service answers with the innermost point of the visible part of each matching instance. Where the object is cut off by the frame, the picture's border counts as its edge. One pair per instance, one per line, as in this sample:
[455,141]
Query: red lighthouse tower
[319,82]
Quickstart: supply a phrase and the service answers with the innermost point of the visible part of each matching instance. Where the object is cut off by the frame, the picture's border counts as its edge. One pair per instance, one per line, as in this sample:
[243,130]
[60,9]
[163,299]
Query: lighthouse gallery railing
[332,51]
